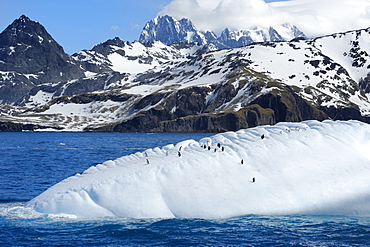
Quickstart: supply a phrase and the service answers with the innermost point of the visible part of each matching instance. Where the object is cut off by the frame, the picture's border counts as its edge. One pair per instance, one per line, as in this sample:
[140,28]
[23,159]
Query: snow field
[315,168]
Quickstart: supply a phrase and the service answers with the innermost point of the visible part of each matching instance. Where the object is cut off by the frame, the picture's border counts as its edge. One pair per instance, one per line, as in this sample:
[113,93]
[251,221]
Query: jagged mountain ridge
[155,87]
[168,30]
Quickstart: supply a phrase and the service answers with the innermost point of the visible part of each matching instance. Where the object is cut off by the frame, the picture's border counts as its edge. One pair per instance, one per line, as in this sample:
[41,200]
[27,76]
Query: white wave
[20,212]
[312,168]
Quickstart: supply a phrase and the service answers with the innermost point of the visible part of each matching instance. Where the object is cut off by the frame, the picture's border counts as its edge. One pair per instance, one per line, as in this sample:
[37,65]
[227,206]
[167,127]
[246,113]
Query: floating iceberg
[312,168]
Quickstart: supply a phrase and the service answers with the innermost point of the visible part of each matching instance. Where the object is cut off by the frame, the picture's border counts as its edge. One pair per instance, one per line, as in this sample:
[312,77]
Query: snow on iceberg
[314,168]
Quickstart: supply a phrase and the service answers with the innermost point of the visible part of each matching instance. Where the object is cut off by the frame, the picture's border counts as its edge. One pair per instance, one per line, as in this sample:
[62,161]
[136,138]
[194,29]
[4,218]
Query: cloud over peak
[314,17]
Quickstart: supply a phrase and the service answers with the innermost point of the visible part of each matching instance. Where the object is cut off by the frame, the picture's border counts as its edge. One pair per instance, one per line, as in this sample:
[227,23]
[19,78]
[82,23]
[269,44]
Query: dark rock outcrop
[267,109]
[19,127]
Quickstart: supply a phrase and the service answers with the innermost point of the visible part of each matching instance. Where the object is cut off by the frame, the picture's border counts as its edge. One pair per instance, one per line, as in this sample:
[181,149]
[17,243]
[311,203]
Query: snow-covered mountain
[309,168]
[183,87]
[168,30]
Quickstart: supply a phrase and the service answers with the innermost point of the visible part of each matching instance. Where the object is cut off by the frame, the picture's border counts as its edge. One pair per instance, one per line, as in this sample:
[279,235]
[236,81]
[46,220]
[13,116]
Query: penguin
[215,149]
[146,155]
[253,179]
[222,149]
[209,148]
[218,145]
[147,161]
[263,136]
[179,154]
[180,148]
[242,162]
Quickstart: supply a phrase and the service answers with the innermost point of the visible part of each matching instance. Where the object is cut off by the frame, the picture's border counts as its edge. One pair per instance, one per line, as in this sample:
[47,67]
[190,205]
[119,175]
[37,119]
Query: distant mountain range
[168,30]
[171,82]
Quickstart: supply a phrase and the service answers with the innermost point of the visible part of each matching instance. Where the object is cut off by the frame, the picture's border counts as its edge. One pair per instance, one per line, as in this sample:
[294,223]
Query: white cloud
[115,27]
[135,26]
[314,17]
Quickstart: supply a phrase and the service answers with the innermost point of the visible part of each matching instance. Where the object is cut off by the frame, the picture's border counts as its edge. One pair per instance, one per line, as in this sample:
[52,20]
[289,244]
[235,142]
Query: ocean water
[32,162]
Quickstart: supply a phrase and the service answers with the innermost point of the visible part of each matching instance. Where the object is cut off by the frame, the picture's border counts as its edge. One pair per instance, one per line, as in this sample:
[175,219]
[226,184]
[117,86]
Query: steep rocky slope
[30,57]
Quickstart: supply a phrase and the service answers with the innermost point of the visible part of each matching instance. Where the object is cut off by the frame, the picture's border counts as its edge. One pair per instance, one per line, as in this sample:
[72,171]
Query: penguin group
[208,147]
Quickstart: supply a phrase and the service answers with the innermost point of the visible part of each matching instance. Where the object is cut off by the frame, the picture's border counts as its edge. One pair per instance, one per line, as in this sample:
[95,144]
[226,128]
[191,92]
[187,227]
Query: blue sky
[81,24]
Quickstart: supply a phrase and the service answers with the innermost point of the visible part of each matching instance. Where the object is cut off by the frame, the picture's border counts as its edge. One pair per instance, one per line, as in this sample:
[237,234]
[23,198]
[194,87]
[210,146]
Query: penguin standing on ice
[218,145]
[222,149]
[147,161]
[263,136]
[242,162]
[253,180]
[180,148]
[179,154]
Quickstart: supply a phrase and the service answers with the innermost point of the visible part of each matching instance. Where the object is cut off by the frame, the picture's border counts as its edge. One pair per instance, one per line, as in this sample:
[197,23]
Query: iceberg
[309,168]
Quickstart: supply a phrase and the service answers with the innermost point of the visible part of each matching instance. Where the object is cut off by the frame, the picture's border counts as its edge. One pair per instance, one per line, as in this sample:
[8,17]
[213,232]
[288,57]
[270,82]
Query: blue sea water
[32,162]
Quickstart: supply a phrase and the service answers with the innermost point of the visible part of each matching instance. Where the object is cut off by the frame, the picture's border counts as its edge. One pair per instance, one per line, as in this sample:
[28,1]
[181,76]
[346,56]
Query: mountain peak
[27,48]
[23,30]
[168,30]
[23,18]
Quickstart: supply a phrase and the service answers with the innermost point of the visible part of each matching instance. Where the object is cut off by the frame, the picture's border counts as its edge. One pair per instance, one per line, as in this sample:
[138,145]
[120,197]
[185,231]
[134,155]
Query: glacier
[309,168]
